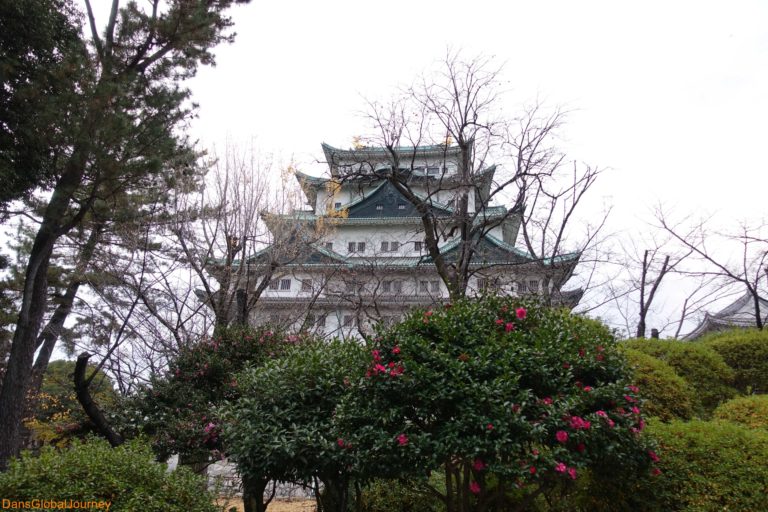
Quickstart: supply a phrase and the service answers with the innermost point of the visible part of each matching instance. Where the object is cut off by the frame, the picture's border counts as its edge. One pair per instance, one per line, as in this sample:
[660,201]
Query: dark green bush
[402,495]
[702,368]
[127,476]
[667,395]
[751,411]
[508,399]
[746,351]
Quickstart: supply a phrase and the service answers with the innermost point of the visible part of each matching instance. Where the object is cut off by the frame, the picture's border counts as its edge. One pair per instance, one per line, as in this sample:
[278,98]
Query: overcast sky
[672,96]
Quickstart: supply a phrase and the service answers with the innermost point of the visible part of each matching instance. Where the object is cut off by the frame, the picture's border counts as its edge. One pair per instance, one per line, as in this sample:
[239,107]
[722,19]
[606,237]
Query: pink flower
[560,467]
[578,423]
[587,388]
[581,447]
[478,465]
[521,313]
[581,352]
[599,357]
[474,488]
[611,423]
[566,365]
[629,399]
[535,452]
[509,327]
[499,321]
[396,350]
[402,439]
[633,389]
[561,436]
[532,470]
[340,442]
[572,473]
[428,313]
[489,426]
[655,471]
[635,410]
[653,456]
[602,414]
[376,355]
[546,400]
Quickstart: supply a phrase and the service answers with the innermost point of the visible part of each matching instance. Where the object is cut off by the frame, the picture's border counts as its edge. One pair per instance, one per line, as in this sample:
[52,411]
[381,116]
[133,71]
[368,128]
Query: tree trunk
[89,406]
[253,494]
[34,300]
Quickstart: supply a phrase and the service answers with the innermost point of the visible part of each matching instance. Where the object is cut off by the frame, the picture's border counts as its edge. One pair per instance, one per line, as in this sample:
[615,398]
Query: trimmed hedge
[746,351]
[126,476]
[667,395]
[706,466]
[750,411]
[702,368]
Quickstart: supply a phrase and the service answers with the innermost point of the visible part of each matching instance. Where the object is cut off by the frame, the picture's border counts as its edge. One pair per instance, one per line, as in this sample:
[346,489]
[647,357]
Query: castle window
[360,246]
[384,246]
[285,284]
[379,206]
[351,246]
[394,246]
[401,207]
[329,246]
[533,285]
[417,246]
[337,205]
[306,285]
[274,284]
[391,286]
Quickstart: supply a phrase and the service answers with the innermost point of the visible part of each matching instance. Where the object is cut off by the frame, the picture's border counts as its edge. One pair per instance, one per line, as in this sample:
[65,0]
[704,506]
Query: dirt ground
[277,505]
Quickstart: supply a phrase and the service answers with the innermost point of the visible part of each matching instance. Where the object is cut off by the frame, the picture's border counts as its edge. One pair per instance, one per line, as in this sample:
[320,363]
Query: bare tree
[737,257]
[458,112]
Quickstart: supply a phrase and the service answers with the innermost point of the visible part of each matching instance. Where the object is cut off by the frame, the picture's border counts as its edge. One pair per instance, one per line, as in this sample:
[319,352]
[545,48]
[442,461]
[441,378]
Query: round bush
[509,399]
[701,367]
[667,395]
[126,476]
[709,466]
[746,351]
[751,411]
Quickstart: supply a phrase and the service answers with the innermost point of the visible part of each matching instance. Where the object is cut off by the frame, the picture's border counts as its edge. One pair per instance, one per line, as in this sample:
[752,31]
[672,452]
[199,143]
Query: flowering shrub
[177,411]
[508,399]
[666,395]
[702,368]
[750,411]
[746,351]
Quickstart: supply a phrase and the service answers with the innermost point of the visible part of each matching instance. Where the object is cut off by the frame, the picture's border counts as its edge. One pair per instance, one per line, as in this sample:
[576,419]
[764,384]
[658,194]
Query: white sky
[672,96]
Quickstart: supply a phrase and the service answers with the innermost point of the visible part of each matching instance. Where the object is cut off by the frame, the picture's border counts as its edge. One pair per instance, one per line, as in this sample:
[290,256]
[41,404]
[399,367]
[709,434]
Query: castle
[364,257]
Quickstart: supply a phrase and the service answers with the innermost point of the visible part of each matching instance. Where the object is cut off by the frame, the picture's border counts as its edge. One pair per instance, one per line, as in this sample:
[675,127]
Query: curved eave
[334,155]
[310,185]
